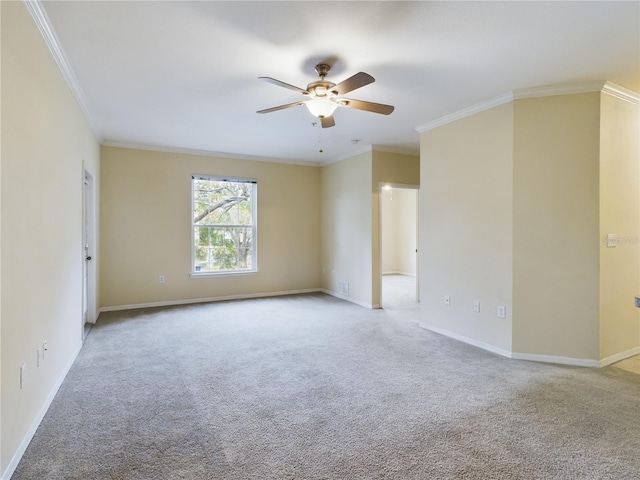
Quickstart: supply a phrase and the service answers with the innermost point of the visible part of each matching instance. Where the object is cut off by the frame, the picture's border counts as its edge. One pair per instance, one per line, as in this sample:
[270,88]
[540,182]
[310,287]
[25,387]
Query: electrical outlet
[502,311]
[476,306]
[447,300]
[161,279]
[638,301]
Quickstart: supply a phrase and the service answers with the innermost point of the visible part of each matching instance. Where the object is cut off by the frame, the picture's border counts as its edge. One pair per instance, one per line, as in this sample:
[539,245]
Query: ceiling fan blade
[285,85]
[327,122]
[356,81]
[368,106]
[280,107]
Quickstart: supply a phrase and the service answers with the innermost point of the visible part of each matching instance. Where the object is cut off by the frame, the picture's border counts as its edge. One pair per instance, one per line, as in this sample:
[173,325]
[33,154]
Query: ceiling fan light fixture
[321,107]
[324,96]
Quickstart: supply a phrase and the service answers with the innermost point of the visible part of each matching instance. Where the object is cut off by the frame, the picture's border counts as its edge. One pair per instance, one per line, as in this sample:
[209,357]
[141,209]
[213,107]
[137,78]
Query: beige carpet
[311,387]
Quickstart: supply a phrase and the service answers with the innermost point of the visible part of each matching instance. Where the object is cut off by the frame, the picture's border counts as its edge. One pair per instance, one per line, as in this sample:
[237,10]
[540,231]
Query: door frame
[88,248]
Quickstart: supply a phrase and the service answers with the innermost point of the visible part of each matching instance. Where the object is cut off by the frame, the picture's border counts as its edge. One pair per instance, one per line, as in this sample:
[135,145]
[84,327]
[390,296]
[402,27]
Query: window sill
[238,273]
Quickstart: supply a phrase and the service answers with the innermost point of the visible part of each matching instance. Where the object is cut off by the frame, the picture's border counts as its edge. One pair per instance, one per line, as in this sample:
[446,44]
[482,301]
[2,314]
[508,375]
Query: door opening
[399,246]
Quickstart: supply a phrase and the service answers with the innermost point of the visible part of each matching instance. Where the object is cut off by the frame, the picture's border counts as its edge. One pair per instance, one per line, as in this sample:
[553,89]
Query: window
[224,225]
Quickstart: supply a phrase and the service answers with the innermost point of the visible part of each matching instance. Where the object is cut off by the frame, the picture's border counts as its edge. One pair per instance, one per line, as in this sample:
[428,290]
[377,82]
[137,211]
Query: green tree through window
[224,226]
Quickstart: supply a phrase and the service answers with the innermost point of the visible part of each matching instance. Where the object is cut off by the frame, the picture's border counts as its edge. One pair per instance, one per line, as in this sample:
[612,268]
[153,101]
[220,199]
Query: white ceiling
[184,75]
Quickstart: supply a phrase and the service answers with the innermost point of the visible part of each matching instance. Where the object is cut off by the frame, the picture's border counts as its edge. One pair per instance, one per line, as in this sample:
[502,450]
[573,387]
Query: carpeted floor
[399,292]
[312,387]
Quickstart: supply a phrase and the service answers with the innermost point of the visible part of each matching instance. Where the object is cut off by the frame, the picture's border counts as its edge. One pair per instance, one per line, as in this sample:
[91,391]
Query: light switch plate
[23,375]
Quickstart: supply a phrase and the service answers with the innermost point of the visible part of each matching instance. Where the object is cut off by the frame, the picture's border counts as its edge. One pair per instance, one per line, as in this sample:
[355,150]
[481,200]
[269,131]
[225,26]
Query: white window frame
[254,230]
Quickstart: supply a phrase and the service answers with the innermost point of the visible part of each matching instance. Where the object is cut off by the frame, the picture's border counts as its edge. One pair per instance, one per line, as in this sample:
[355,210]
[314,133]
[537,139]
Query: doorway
[88,252]
[399,246]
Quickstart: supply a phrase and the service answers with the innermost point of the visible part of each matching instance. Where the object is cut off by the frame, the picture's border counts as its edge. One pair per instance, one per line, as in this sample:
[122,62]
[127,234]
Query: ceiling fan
[324,97]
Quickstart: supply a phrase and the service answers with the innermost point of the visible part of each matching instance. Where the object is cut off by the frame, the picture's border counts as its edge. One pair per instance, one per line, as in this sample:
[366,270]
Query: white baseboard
[243,296]
[632,352]
[348,299]
[469,340]
[576,362]
[15,460]
[407,274]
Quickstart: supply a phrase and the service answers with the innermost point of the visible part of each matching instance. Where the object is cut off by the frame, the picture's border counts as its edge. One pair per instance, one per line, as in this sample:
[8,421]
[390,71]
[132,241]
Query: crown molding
[251,158]
[621,93]
[536,92]
[367,148]
[46,30]
[364,148]
[395,149]
[466,112]
[206,153]
[553,90]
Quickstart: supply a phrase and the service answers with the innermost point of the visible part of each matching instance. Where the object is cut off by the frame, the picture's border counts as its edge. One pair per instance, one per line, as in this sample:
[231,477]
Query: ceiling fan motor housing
[321,89]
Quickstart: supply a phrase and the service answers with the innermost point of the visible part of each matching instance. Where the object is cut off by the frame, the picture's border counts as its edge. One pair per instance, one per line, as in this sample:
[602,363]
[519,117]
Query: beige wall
[555,185]
[146,228]
[515,207]
[346,227]
[45,140]
[466,222]
[619,214]
[407,218]
[388,230]
[2,468]
[351,217]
